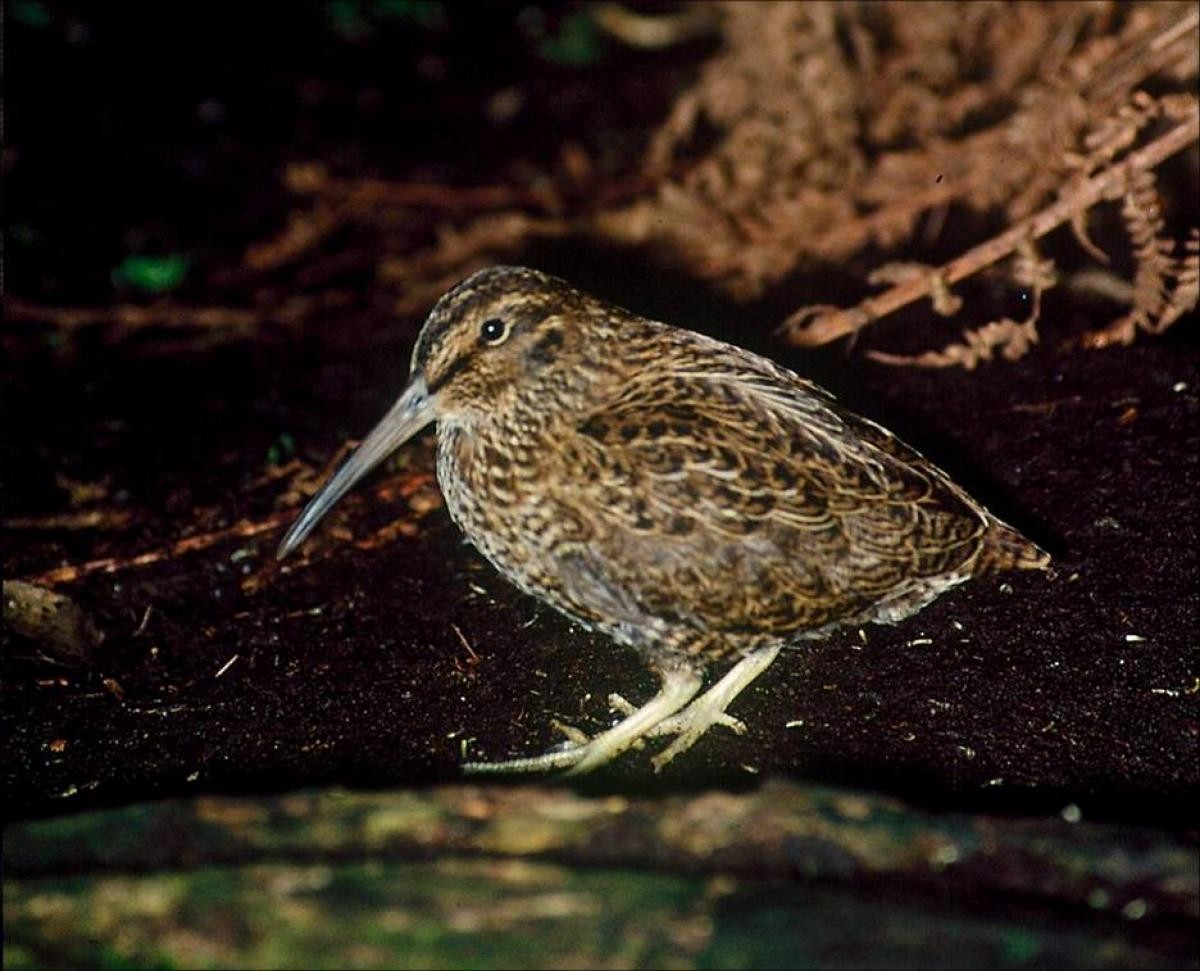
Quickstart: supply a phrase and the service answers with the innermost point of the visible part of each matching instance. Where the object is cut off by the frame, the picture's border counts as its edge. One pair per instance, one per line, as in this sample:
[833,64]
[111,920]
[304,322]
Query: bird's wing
[747,500]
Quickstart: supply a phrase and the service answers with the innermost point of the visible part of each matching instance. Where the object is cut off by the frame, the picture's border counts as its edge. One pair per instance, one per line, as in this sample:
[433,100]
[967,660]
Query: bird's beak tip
[408,415]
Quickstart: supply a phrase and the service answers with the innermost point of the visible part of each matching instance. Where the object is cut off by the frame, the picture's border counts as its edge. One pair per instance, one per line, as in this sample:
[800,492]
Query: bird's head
[490,337]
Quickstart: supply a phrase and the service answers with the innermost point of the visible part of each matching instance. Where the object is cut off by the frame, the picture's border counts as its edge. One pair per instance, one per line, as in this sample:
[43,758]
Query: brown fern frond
[1184,297]
[1156,303]
[1029,269]
[1012,338]
[835,126]
[1119,131]
[1141,211]
[1079,231]
[1129,177]
[1164,287]
[945,302]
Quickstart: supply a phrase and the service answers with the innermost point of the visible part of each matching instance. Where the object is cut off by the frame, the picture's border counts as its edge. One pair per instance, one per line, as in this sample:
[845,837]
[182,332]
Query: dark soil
[222,670]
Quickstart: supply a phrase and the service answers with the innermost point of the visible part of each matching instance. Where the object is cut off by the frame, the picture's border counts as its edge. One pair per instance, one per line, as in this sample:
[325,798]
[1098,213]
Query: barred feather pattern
[690,498]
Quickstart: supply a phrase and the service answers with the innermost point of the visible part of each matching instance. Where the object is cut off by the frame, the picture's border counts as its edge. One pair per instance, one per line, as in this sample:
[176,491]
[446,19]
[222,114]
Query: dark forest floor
[389,650]
[352,665]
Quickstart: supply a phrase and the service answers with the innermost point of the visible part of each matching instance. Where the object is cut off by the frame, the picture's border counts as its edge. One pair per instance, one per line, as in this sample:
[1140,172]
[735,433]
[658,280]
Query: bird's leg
[709,709]
[679,686]
[617,703]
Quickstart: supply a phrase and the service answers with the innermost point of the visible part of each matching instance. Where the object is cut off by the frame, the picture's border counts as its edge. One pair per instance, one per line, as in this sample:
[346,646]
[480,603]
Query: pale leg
[709,708]
[679,686]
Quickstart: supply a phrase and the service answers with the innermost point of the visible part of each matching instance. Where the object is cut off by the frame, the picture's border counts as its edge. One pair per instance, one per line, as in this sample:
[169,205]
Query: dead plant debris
[815,131]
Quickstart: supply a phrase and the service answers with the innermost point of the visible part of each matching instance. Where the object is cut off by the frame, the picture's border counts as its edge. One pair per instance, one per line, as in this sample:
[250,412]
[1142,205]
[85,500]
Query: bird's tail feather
[1006,549]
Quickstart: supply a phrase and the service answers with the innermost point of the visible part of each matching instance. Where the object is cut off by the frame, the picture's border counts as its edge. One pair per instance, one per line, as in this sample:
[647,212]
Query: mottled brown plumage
[692,500]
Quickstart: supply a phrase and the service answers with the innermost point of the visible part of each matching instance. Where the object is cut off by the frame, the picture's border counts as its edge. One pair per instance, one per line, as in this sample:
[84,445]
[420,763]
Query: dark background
[145,130]
[161,131]
[145,147]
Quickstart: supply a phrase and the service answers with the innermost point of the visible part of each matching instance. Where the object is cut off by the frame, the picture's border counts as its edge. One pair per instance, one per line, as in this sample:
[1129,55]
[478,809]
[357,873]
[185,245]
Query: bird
[697,503]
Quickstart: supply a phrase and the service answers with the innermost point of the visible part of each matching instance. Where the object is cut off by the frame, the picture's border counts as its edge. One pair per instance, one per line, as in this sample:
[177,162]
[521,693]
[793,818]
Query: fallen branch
[781,831]
[128,317]
[178,323]
[112,564]
[72,521]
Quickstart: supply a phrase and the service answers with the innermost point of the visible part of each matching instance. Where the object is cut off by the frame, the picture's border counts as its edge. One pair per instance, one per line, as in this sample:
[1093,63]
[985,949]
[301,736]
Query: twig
[406,485]
[804,329]
[369,193]
[178,325]
[465,643]
[131,316]
[70,521]
[112,564]
[386,535]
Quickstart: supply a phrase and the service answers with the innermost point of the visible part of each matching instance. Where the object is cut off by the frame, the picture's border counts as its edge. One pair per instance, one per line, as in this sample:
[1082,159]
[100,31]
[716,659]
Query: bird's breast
[493,480]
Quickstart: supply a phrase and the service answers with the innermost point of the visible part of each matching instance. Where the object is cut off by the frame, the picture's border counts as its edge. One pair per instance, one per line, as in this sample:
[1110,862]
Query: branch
[129,317]
[781,831]
[112,564]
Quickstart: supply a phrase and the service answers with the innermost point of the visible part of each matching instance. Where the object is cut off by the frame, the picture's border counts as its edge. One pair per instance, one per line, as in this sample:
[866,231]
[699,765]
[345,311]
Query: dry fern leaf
[1157,303]
[1129,177]
[1011,338]
[1141,213]
[1184,297]
[832,126]
[1141,210]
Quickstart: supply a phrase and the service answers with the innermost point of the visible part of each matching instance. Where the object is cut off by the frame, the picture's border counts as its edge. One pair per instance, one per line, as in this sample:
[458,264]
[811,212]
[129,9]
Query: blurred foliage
[464,876]
[30,13]
[283,448]
[151,274]
[355,20]
[577,42]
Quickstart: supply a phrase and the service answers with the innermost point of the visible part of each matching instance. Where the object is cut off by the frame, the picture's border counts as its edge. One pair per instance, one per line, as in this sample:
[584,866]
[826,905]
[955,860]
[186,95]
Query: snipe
[693,501]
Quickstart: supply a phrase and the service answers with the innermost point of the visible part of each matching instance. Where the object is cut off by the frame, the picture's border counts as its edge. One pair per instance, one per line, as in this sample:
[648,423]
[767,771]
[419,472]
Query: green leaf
[30,13]
[283,448]
[356,20]
[425,13]
[153,274]
[577,42]
[346,17]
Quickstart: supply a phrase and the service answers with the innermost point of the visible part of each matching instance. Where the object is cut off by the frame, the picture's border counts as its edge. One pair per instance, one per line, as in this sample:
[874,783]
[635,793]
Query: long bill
[411,412]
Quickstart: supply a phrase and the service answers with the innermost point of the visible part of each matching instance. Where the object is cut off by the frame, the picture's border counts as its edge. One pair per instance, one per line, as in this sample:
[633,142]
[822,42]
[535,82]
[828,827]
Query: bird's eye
[493,330]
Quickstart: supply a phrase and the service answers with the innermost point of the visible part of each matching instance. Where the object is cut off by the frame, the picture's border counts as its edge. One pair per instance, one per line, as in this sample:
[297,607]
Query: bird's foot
[690,724]
[664,714]
[575,736]
[583,754]
[677,722]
